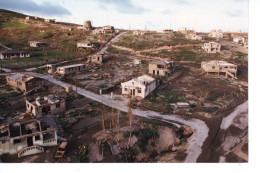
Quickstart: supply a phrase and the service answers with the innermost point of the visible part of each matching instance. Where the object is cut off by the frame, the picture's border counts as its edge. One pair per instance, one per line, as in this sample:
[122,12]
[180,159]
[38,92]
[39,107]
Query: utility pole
[76,82]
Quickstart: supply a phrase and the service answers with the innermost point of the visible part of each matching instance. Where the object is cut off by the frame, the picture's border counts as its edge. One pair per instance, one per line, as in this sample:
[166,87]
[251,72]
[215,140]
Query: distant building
[239,40]
[81,27]
[216,34]
[194,36]
[64,70]
[139,87]
[104,30]
[87,44]
[37,44]
[66,28]
[49,105]
[28,18]
[212,47]
[245,44]
[220,68]
[161,67]
[186,31]
[97,58]
[26,137]
[166,31]
[51,68]
[137,61]
[9,54]
[24,83]
[49,20]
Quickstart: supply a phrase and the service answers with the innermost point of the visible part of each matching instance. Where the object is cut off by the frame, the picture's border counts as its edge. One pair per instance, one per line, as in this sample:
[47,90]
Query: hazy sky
[201,15]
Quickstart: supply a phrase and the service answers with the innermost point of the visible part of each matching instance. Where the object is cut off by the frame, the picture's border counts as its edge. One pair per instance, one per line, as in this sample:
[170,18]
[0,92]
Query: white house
[239,40]
[139,87]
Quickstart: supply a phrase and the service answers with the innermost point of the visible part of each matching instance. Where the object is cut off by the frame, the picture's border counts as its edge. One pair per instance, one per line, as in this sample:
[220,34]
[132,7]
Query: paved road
[200,128]
[227,121]
[7,70]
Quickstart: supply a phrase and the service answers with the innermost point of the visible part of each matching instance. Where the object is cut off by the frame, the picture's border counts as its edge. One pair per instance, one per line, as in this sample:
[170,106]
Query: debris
[61,150]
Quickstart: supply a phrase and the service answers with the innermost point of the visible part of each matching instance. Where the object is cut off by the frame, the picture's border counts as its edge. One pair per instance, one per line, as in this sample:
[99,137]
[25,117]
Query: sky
[201,15]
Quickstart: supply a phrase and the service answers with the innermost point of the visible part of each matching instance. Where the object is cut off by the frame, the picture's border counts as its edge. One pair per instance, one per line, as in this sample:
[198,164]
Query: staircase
[230,74]
[30,150]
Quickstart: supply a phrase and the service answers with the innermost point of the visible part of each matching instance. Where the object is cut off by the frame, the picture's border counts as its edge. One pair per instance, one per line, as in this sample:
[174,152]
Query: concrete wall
[37,110]
[64,71]
[135,86]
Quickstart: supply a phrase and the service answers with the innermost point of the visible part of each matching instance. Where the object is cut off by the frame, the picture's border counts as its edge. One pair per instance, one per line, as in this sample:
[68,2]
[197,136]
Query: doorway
[29,141]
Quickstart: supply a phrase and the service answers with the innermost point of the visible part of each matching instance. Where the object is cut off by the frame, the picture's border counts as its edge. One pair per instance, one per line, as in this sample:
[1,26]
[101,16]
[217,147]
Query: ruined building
[97,58]
[139,87]
[166,31]
[186,31]
[87,25]
[49,105]
[24,83]
[161,67]
[26,137]
[49,20]
[64,70]
[9,54]
[216,34]
[36,44]
[220,68]
[212,47]
[104,30]
[193,36]
[239,40]
[87,44]
[139,32]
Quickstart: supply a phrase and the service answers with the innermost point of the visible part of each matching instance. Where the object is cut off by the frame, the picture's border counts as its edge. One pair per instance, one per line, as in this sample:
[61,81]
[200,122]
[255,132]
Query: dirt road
[200,128]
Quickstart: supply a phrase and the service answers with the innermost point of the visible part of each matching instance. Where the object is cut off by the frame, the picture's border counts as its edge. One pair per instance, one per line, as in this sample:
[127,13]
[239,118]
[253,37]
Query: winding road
[195,141]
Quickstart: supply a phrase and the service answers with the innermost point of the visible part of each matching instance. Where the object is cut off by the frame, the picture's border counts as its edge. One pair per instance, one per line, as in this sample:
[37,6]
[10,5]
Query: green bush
[45,35]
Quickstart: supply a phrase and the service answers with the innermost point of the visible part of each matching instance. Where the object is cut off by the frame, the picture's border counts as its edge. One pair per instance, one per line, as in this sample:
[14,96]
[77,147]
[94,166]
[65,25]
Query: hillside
[15,32]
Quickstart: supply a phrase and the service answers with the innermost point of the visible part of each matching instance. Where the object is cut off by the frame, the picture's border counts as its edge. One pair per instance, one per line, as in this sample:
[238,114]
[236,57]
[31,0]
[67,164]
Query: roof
[19,76]
[216,62]
[159,62]
[73,65]
[36,42]
[14,51]
[87,42]
[144,78]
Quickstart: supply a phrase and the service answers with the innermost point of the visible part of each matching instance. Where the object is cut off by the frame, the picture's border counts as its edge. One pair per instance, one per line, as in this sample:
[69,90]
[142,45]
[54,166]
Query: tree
[201,99]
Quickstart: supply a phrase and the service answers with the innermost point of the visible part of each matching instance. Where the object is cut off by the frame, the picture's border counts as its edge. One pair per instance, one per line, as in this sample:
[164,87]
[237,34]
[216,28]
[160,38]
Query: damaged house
[104,30]
[97,58]
[26,137]
[193,36]
[239,40]
[220,68]
[87,44]
[48,105]
[9,54]
[140,87]
[212,47]
[64,70]
[216,34]
[24,83]
[161,67]
[36,44]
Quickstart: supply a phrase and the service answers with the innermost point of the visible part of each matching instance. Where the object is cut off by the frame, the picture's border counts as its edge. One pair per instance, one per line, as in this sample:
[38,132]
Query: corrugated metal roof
[14,51]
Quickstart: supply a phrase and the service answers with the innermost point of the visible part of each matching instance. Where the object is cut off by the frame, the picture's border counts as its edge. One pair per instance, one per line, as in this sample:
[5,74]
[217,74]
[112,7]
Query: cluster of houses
[31,18]
[26,134]
[142,86]
[191,34]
